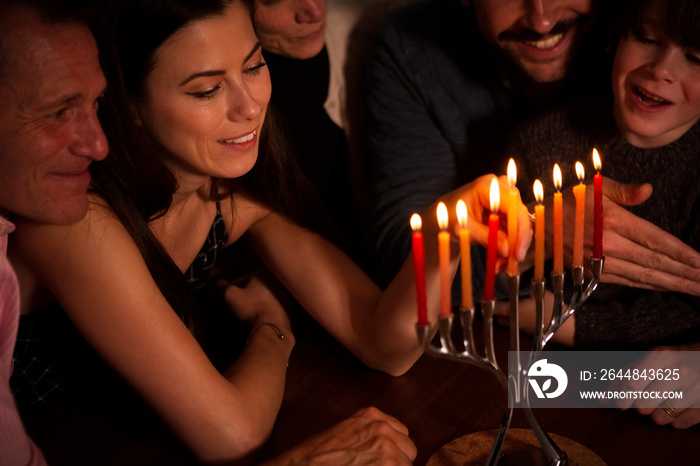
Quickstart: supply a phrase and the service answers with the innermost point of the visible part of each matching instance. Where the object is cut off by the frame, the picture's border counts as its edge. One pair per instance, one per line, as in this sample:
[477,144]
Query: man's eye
[60,115]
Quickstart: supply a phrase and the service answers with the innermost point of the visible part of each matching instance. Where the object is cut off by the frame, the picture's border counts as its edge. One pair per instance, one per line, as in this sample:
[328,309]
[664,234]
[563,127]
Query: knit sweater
[619,315]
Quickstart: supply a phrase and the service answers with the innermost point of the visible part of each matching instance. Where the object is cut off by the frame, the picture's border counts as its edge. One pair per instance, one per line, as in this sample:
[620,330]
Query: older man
[50,82]
[447,82]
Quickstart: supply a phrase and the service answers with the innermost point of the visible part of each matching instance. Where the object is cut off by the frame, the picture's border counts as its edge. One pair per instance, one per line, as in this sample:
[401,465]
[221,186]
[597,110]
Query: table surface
[438,400]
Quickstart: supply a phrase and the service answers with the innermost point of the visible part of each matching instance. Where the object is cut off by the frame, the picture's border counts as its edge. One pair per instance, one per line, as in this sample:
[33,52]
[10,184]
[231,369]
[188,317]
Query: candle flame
[442,216]
[580,173]
[462,214]
[495,196]
[512,173]
[416,222]
[556,174]
[539,191]
[596,160]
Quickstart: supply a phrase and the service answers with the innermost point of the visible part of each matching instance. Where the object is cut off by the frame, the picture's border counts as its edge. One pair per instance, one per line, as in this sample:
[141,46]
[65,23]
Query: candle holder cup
[514,381]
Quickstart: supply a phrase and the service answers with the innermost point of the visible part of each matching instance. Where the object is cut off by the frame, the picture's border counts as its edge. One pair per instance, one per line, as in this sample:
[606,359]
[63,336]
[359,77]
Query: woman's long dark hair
[133,179]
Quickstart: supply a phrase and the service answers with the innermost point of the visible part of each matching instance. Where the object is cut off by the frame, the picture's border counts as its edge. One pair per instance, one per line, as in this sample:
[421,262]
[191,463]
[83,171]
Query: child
[651,136]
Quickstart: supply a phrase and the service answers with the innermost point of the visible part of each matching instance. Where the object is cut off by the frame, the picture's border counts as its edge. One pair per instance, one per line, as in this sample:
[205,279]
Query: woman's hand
[477,196]
[257,298]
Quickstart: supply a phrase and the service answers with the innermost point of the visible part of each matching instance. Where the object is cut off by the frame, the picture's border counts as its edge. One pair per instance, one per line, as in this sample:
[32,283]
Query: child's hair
[678,20]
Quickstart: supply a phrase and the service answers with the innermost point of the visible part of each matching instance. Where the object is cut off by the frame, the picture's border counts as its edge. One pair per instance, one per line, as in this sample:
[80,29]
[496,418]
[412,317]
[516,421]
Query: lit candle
[597,208]
[466,260]
[539,231]
[580,194]
[492,245]
[558,233]
[512,219]
[419,268]
[444,260]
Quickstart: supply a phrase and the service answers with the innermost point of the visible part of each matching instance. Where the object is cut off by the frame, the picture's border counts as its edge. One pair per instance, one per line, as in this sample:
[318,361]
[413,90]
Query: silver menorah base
[515,381]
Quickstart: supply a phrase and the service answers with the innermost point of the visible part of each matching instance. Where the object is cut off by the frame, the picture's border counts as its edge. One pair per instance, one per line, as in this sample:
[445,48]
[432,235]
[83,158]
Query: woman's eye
[256,68]
[208,94]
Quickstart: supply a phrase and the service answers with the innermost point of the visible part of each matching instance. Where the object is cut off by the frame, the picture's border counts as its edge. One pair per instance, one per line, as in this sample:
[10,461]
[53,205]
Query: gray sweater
[618,315]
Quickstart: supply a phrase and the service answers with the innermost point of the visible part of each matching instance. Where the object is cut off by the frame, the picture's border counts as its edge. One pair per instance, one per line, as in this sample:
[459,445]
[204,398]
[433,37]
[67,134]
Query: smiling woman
[193,167]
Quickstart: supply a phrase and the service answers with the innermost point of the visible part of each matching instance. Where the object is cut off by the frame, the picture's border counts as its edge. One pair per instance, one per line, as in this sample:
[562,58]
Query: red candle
[492,245]
[444,261]
[558,233]
[465,256]
[539,231]
[512,220]
[580,194]
[597,208]
[419,268]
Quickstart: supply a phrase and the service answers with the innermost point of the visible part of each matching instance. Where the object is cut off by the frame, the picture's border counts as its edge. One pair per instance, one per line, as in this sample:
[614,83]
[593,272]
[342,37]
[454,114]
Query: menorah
[514,381]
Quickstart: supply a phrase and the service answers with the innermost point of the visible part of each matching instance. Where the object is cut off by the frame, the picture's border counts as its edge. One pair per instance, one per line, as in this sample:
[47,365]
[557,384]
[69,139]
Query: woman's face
[207,95]
[657,88]
[291,28]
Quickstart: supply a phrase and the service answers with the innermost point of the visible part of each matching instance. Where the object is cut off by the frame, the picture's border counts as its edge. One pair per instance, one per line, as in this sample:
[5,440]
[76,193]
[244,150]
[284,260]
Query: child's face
[657,88]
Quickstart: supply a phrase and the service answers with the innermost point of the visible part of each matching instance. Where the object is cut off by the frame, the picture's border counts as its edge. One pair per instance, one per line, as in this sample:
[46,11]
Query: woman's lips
[243,142]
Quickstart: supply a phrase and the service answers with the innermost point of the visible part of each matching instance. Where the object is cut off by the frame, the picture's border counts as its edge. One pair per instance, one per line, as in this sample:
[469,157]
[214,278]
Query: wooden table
[438,400]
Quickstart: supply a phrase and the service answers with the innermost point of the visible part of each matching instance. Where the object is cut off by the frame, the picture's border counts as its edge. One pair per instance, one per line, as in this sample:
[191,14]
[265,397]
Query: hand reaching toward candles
[637,252]
[476,196]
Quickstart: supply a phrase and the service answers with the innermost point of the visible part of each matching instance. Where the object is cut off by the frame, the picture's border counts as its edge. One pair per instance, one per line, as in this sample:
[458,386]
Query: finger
[663,416]
[626,273]
[626,194]
[649,244]
[373,414]
[688,418]
[386,438]
[649,268]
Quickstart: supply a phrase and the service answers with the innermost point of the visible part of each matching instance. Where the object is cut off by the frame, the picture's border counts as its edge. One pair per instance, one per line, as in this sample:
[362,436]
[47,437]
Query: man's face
[50,82]
[539,37]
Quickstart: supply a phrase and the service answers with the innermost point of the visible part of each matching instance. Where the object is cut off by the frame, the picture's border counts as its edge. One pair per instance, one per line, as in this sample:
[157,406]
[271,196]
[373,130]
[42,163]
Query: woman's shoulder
[99,224]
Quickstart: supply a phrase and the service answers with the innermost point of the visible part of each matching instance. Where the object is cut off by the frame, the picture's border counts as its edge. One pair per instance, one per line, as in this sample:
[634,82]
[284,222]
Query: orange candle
[580,194]
[539,231]
[597,208]
[492,245]
[444,260]
[512,219]
[558,233]
[419,268]
[465,256]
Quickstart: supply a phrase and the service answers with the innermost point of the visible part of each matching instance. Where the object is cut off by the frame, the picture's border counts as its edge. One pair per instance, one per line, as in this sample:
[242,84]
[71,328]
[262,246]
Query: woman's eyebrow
[252,52]
[255,48]
[203,74]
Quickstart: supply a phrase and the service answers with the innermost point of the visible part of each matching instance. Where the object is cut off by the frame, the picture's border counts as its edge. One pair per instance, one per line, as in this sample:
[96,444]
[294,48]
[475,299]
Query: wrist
[272,332]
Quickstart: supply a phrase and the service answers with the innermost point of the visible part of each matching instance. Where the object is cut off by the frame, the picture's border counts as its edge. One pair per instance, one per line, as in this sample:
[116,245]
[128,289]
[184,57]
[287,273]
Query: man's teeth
[241,140]
[546,43]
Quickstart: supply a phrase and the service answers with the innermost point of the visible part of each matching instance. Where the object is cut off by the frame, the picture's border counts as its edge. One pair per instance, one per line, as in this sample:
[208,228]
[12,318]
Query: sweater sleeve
[413,164]
[622,315]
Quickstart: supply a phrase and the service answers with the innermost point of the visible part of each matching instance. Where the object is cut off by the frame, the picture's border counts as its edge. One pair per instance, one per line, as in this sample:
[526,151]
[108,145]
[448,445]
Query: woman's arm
[378,327]
[97,273]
